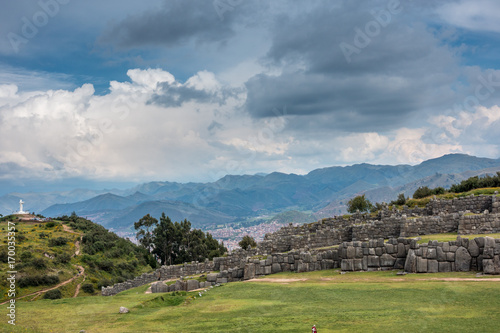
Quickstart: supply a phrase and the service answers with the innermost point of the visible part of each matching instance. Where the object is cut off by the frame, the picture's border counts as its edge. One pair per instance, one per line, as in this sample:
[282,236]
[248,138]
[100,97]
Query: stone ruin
[355,243]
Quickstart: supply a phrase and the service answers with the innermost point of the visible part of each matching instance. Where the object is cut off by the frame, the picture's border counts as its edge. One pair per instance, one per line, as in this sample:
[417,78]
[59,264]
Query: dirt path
[81,271]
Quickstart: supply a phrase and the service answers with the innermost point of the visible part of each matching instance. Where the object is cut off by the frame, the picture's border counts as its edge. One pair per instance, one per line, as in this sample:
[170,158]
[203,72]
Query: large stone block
[411,262]
[212,277]
[473,248]
[357,265]
[373,261]
[431,253]
[386,260]
[421,265]
[346,264]
[450,256]
[249,272]
[462,260]
[445,266]
[351,252]
[432,266]
[441,255]
[275,268]
[192,284]
[401,250]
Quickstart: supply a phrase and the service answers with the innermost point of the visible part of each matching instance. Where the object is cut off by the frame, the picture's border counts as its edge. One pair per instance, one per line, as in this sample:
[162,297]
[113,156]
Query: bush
[400,201]
[37,280]
[359,203]
[59,241]
[88,288]
[63,258]
[247,242]
[105,265]
[39,263]
[422,192]
[53,294]
[50,224]
[26,256]
[104,283]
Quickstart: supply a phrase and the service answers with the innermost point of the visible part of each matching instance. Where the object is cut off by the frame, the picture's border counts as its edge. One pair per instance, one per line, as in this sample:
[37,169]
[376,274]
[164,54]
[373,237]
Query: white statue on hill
[21,211]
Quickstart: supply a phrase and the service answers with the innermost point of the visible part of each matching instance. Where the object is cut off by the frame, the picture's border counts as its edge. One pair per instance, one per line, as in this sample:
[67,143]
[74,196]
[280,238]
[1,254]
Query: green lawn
[353,302]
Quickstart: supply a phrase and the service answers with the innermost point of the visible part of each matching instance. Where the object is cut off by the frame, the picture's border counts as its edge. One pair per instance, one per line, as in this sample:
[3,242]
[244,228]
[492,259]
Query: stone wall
[361,245]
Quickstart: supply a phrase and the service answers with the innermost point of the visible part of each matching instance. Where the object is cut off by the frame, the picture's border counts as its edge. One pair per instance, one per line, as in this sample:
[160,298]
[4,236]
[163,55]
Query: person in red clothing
[314,329]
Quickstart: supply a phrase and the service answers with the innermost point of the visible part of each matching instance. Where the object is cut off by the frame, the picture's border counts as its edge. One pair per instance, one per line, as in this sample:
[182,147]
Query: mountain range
[233,198]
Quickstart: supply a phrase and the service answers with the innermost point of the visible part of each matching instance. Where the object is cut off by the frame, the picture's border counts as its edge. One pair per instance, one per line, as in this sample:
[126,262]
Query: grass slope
[354,302]
[106,258]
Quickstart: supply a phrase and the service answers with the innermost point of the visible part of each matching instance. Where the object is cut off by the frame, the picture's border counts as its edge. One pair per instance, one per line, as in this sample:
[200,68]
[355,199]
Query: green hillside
[71,251]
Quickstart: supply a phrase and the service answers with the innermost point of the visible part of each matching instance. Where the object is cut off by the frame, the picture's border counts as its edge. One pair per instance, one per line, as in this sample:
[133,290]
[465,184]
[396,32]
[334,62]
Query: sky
[119,92]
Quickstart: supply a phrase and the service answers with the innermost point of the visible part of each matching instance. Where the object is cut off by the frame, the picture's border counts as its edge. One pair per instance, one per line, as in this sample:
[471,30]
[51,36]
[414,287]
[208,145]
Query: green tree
[164,239]
[247,242]
[422,192]
[145,235]
[400,201]
[359,203]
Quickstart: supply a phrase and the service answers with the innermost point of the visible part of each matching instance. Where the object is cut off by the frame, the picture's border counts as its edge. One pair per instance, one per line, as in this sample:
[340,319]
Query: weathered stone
[462,260]
[444,266]
[401,250]
[432,266]
[400,263]
[275,268]
[421,265]
[386,260]
[212,277]
[431,253]
[411,262]
[450,256]
[473,248]
[373,261]
[346,264]
[351,252]
[249,272]
[124,309]
[193,284]
[357,265]
[441,255]
[379,251]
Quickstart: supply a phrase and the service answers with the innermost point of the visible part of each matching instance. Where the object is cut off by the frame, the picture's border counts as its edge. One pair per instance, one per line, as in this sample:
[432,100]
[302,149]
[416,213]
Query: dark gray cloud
[177,94]
[398,68]
[177,22]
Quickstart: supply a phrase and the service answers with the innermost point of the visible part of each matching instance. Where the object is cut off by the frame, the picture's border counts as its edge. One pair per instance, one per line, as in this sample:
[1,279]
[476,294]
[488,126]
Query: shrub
[37,280]
[400,201]
[39,263]
[247,242]
[63,258]
[53,294]
[105,265]
[88,288]
[422,192]
[359,203]
[104,283]
[59,241]
[26,256]
[50,224]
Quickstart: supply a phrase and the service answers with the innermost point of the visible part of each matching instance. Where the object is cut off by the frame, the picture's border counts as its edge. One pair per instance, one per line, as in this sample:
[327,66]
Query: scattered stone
[124,309]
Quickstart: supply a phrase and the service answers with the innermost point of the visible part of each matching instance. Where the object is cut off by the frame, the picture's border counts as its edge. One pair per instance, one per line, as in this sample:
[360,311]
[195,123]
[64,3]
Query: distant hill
[236,198]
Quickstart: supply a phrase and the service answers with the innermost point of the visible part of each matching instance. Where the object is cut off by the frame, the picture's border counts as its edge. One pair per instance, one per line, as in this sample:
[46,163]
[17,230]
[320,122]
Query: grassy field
[286,302]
